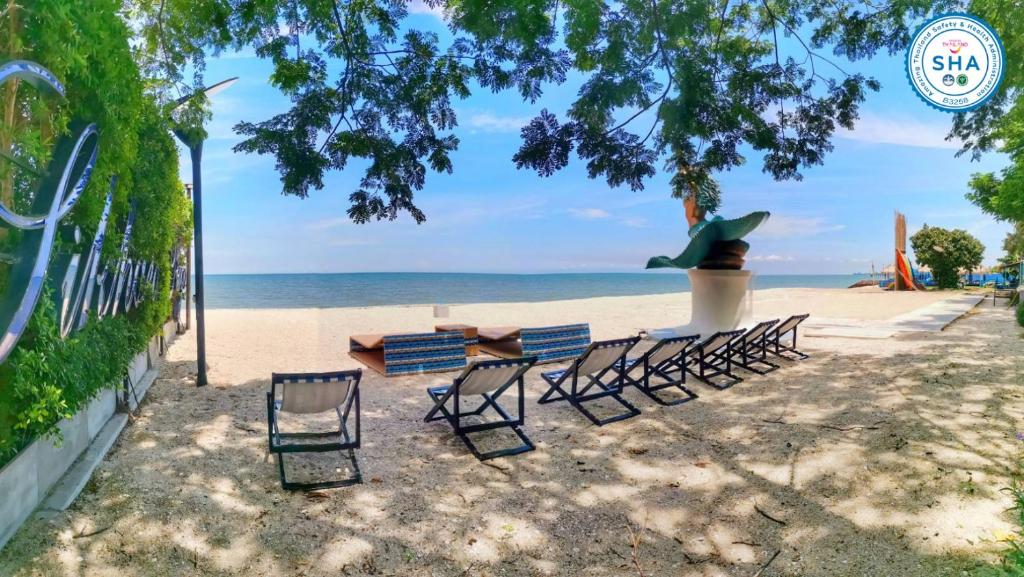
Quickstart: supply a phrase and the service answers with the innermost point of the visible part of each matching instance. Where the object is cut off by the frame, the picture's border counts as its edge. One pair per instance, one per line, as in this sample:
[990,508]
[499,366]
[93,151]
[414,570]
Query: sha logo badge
[956,62]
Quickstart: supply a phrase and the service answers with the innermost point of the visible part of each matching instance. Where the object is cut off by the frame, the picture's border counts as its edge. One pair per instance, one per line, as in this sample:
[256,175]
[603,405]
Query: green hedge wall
[86,45]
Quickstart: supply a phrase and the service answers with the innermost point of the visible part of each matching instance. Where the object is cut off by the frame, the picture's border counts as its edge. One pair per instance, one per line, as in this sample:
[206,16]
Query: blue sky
[490,217]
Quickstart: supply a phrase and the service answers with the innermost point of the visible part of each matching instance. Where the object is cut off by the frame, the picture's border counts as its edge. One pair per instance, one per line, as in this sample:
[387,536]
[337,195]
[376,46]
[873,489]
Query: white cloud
[635,222]
[771,258]
[328,223]
[589,213]
[900,130]
[352,242]
[781,226]
[421,7]
[490,122]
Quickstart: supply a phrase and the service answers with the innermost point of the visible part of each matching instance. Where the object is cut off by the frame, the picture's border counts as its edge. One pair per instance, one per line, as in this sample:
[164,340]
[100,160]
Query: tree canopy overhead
[999,125]
[679,86]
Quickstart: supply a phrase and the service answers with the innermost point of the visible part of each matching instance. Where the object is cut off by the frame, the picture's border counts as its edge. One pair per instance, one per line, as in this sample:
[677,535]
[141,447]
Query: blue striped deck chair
[487,380]
[595,374]
[307,394]
[712,359]
[553,344]
[656,370]
[751,350]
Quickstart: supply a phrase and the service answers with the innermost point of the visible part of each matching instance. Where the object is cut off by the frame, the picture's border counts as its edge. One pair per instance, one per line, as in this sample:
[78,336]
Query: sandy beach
[873,457]
[250,344]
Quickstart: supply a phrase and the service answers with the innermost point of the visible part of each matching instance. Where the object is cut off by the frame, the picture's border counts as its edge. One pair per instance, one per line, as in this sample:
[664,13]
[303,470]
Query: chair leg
[524,448]
[610,391]
[756,361]
[645,387]
[507,421]
[711,366]
[788,353]
[554,387]
[354,479]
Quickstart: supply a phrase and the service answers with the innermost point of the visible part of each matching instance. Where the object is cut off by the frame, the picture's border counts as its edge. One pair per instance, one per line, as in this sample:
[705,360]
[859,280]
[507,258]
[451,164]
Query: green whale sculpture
[714,244]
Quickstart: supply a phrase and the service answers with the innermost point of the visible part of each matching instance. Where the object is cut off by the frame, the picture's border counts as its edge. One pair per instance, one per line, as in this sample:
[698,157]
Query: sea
[277,291]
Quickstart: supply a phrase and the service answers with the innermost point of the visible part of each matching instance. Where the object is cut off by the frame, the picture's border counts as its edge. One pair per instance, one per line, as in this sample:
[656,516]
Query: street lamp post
[193,140]
[188,271]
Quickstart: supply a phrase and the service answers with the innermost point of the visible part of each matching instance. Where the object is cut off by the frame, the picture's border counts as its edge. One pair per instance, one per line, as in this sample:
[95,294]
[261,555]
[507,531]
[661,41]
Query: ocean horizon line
[346,290]
[641,272]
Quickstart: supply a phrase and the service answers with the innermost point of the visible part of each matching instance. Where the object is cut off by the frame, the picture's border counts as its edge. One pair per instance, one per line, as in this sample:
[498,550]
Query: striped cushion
[551,344]
[424,353]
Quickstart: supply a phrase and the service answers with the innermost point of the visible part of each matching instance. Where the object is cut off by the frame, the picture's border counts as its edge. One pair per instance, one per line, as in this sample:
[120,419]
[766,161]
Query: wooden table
[469,332]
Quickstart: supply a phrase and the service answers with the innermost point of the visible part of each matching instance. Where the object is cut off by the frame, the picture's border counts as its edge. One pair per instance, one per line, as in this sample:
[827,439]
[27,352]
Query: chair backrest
[603,354]
[668,348]
[314,392]
[559,343]
[486,376]
[759,329]
[790,324]
[719,340]
[424,352]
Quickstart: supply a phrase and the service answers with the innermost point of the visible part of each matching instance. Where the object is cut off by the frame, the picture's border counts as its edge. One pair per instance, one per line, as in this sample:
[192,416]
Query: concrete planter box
[27,481]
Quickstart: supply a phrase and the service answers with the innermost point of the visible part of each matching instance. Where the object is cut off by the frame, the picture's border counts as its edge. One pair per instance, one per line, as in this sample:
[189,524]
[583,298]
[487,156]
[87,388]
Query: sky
[490,217]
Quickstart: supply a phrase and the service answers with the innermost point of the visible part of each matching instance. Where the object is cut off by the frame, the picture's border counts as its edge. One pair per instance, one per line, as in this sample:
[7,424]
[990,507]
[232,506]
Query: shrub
[1020,313]
[947,252]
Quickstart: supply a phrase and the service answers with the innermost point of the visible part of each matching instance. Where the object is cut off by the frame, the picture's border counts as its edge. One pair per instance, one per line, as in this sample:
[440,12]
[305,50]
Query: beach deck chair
[487,380]
[774,338]
[659,365]
[750,351]
[713,358]
[599,367]
[307,394]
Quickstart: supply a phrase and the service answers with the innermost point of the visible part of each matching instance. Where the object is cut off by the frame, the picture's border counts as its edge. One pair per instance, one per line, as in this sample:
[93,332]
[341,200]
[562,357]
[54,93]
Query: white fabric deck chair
[307,394]
[661,362]
[588,372]
[488,379]
[773,340]
[750,351]
[712,359]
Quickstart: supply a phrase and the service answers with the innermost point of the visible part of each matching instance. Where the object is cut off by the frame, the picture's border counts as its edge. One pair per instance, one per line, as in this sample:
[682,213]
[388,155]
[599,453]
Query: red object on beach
[903,269]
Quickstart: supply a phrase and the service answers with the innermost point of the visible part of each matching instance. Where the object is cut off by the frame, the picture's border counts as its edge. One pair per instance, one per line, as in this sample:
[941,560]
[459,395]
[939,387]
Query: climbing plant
[86,45]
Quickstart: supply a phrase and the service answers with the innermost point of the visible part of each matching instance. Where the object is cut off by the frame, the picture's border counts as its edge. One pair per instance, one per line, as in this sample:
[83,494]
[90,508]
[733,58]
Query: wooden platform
[470,333]
[502,342]
[369,350]
[404,354]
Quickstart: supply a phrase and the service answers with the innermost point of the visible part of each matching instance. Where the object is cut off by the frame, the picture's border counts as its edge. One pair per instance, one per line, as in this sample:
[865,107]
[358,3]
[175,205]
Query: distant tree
[947,252]
[1013,243]
[1013,252]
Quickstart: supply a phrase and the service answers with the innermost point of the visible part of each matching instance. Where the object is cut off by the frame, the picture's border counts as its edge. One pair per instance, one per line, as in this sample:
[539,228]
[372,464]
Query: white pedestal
[720,302]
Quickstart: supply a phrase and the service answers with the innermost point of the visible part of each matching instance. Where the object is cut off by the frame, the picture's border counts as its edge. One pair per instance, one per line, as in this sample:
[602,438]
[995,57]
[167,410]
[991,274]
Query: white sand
[873,457]
[250,344]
